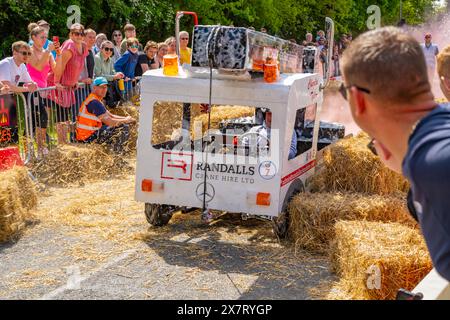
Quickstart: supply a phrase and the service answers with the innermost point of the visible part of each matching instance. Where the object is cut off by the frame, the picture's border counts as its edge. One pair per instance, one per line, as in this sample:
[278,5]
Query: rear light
[235,141]
[148,185]
[263,199]
[258,198]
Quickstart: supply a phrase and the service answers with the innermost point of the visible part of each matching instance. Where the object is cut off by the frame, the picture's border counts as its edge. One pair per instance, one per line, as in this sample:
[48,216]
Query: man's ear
[446,83]
[359,101]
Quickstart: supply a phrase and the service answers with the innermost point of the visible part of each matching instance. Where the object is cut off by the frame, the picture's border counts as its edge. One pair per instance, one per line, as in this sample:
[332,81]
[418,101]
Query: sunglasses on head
[371,147]
[77,34]
[343,90]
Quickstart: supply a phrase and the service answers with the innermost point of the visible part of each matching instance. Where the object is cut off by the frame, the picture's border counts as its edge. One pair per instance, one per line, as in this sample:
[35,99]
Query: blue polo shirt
[427,167]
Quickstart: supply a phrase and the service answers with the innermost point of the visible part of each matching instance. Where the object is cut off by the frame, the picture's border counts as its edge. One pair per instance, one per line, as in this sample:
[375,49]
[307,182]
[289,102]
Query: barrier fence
[39,121]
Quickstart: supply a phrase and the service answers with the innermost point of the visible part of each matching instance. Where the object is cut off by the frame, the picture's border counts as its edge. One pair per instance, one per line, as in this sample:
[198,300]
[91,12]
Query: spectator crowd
[43,62]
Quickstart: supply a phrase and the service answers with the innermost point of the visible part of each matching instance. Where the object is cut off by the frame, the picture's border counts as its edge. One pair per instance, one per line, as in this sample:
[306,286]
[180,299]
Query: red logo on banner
[176,166]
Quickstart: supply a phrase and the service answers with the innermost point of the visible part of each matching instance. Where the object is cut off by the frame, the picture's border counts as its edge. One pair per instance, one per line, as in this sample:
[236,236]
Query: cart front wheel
[158,215]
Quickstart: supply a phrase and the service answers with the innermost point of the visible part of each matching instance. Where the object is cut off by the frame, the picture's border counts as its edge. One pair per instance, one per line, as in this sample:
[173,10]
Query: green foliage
[155,19]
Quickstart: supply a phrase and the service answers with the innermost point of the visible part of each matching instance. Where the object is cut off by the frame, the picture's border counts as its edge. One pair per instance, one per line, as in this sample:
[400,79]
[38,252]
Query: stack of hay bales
[353,184]
[313,215]
[350,166]
[375,259]
[77,164]
[18,198]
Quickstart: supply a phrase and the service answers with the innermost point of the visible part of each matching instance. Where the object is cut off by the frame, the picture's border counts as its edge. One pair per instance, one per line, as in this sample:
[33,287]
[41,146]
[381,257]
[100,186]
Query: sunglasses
[109,49]
[25,53]
[184,38]
[371,147]
[134,46]
[343,90]
[117,35]
[78,34]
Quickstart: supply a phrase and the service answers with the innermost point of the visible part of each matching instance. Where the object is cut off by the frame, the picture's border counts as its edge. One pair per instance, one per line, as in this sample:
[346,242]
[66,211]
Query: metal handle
[177,25]
[330,36]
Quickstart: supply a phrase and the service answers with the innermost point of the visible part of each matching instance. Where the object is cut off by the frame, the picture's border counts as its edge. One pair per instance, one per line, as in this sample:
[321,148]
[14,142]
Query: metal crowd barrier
[51,115]
[40,121]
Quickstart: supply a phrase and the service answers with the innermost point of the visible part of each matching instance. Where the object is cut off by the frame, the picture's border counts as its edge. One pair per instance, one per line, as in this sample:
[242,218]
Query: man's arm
[114,121]
[61,63]
[28,87]
[293,148]
[119,65]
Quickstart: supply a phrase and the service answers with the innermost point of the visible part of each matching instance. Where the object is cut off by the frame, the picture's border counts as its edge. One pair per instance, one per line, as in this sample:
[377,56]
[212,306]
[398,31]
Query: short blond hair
[16,46]
[443,63]
[389,62]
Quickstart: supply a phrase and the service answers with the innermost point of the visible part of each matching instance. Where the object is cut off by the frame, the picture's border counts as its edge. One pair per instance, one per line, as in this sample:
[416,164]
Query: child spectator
[146,60]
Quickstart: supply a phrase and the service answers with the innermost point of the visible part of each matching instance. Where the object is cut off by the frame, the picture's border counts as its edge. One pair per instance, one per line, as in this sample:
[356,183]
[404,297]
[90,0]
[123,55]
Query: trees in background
[155,19]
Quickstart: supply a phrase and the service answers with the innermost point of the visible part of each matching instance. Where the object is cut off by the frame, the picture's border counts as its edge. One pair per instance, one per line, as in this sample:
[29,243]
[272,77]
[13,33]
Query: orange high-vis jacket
[87,122]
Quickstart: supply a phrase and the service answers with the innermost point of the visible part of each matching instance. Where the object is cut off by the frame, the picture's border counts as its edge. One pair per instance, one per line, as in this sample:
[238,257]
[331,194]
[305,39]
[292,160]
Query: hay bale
[77,164]
[313,215]
[167,118]
[348,165]
[17,198]
[376,259]
[220,113]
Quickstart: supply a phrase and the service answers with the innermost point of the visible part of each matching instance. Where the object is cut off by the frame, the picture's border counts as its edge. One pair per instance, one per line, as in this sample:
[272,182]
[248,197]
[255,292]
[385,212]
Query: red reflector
[235,141]
[147,185]
[263,199]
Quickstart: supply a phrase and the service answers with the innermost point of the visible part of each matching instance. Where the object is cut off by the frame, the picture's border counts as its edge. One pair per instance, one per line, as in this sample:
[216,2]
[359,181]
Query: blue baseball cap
[100,81]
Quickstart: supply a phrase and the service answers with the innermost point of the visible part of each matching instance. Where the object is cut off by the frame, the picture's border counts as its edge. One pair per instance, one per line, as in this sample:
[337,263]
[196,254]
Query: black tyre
[158,215]
[281,223]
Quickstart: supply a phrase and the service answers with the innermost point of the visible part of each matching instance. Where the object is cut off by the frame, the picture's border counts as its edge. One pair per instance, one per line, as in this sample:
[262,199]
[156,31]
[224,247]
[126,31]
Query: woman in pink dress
[69,65]
[40,64]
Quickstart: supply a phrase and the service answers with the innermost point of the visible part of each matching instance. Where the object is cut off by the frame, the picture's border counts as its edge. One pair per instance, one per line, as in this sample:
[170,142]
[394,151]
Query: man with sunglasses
[390,98]
[430,51]
[13,70]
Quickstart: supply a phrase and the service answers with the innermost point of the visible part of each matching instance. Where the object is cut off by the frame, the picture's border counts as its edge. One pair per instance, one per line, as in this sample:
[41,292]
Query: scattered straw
[349,165]
[71,164]
[312,216]
[17,198]
[376,259]
[125,110]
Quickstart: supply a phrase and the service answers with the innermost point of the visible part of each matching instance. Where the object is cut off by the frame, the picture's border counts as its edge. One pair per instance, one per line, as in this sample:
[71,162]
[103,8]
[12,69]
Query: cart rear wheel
[158,215]
[281,223]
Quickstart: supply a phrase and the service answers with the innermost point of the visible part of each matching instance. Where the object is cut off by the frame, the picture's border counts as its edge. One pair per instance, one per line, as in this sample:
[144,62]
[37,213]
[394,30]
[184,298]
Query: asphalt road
[106,250]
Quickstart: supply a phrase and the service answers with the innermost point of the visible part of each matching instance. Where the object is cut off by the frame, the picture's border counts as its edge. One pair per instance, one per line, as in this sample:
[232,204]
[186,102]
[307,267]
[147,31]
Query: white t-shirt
[9,71]
[430,54]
